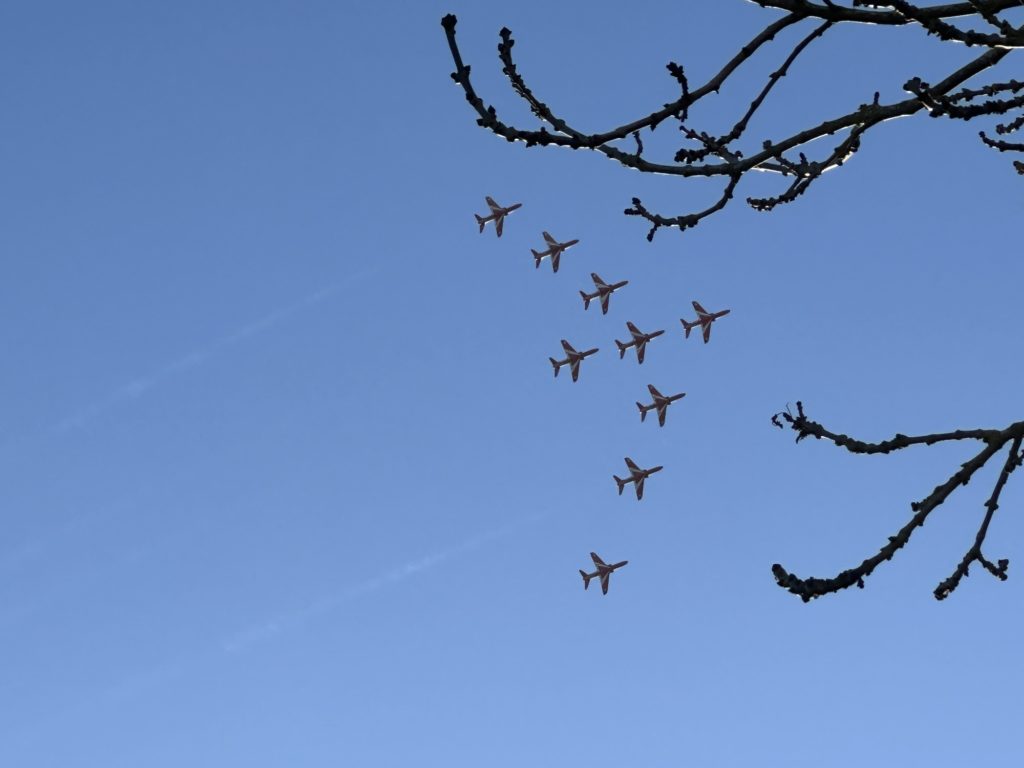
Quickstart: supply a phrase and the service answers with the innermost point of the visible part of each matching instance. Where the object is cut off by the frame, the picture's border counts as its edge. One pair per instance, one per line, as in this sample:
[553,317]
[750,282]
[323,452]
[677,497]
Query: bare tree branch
[718,155]
[994,440]
[682,222]
[834,12]
[1012,38]
[1013,460]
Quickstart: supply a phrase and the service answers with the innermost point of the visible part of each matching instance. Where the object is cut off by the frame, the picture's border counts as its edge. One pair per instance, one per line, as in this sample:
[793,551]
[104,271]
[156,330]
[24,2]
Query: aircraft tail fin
[620,482]
[586,300]
[622,348]
[556,365]
[687,327]
[586,578]
[643,411]
[537,257]
[480,221]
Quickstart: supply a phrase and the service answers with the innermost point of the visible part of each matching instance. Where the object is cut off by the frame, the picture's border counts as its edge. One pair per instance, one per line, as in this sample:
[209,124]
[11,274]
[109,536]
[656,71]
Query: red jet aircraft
[639,341]
[497,215]
[603,572]
[603,292]
[660,404]
[636,476]
[572,359]
[554,251]
[704,320]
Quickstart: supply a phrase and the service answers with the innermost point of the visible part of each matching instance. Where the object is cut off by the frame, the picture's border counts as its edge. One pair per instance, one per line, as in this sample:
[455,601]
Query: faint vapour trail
[139,683]
[139,386]
[18,554]
[281,622]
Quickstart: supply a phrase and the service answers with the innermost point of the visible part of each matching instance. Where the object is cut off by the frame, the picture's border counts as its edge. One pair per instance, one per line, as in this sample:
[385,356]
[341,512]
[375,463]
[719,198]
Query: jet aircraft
[572,358]
[497,215]
[704,320]
[639,341]
[661,403]
[554,251]
[636,476]
[603,292]
[603,572]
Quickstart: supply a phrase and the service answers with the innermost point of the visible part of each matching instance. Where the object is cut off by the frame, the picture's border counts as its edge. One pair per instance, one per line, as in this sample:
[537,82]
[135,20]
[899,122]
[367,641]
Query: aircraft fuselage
[643,474]
[559,248]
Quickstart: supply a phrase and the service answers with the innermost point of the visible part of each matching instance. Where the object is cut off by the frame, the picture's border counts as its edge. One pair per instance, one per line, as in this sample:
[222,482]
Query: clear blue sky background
[286,479]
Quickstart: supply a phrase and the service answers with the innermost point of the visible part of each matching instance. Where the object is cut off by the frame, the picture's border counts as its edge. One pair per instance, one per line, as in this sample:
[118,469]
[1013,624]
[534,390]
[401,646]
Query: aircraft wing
[554,259]
[568,348]
[597,280]
[639,488]
[632,465]
[604,582]
[491,204]
[653,391]
[574,368]
[700,309]
[640,347]
[604,303]
[634,331]
[662,410]
[707,332]
[597,560]
[499,224]
[549,239]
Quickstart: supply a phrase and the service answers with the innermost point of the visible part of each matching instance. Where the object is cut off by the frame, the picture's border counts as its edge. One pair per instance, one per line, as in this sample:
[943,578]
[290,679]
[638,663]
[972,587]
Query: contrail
[134,685]
[275,625]
[137,387]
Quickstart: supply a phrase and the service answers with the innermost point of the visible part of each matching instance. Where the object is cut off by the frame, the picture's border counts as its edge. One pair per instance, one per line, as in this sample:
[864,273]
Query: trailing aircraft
[603,572]
[639,341]
[603,292]
[572,358]
[704,320]
[497,215]
[554,251]
[636,476]
[661,403]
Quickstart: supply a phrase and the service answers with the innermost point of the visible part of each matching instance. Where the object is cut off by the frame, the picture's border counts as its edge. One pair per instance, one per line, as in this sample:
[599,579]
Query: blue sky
[286,477]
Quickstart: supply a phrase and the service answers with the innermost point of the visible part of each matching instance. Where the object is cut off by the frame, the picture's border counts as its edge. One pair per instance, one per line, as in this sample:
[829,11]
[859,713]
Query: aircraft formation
[638,340]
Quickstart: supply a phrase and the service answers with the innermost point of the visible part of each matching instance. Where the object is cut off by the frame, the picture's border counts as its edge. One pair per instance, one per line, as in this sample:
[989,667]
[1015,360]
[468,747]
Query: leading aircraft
[639,341]
[704,320]
[636,476]
[554,251]
[661,403]
[572,358]
[603,572]
[603,292]
[497,215]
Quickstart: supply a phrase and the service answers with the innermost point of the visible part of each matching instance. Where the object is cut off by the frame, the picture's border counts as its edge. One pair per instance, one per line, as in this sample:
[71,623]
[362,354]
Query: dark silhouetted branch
[1013,460]
[719,155]
[994,441]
